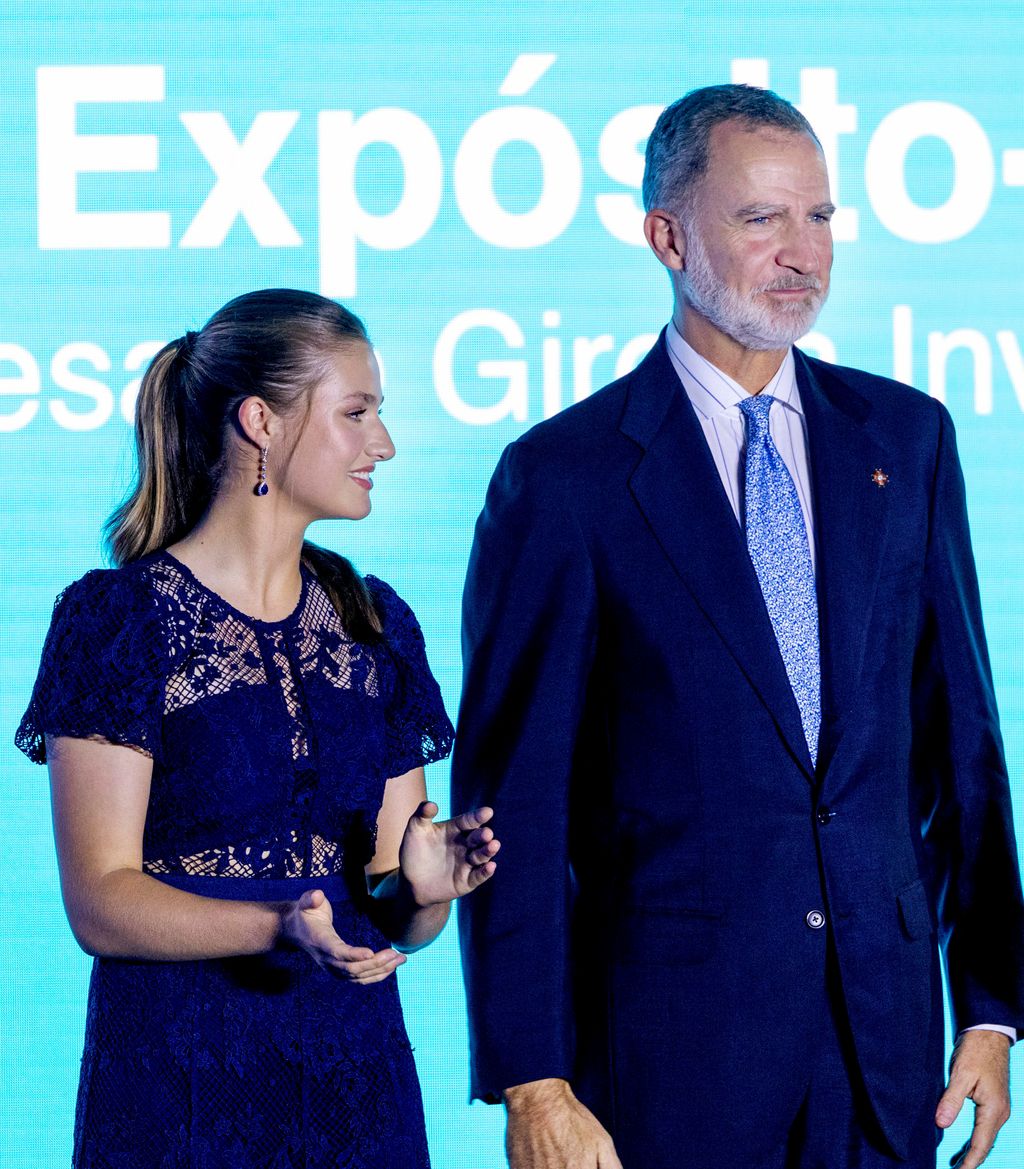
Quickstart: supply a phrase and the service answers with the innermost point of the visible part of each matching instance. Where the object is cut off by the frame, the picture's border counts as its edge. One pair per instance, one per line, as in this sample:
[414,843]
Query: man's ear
[667,240]
[256,420]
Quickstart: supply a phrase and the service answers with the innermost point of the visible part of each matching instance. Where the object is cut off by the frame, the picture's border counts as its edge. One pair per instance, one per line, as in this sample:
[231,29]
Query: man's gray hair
[677,150]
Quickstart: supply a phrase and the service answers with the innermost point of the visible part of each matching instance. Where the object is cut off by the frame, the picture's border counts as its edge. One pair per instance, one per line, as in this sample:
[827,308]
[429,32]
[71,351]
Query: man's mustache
[786,283]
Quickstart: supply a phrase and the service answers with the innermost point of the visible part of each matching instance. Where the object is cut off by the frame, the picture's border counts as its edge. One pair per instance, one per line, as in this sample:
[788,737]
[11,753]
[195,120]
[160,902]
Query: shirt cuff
[1009,1032]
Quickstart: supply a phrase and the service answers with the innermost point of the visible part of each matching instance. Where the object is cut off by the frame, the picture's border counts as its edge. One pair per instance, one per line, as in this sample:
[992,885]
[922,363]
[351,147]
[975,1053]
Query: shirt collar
[712,392]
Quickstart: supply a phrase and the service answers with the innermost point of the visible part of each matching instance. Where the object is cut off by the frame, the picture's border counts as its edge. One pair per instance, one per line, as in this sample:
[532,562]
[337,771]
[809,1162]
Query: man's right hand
[548,1128]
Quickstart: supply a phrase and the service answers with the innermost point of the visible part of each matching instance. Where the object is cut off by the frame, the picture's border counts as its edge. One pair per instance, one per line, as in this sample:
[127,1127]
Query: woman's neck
[247,549]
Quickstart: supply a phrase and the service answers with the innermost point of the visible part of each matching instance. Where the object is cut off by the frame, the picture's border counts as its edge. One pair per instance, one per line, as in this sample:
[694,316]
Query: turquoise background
[445,64]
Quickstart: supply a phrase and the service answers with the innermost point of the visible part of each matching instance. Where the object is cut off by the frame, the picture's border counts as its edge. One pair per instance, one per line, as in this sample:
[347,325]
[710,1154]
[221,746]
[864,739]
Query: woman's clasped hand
[438,862]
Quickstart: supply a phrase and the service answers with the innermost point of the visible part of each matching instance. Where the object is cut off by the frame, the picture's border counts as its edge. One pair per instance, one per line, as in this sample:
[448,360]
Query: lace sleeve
[100,676]
[418,728]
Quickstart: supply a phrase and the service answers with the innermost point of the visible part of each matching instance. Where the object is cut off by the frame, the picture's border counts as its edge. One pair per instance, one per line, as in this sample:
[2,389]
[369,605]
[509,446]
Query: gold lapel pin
[879,477]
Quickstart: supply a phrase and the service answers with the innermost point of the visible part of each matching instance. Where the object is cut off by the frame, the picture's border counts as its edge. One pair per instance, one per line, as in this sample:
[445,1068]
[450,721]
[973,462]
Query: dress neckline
[187,574]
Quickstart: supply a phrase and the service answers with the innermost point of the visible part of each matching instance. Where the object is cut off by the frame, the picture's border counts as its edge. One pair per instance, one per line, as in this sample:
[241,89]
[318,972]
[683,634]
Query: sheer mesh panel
[263,860]
[225,650]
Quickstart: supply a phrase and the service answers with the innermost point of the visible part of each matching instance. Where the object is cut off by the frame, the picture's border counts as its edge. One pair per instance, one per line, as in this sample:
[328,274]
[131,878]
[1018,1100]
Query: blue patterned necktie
[777,542]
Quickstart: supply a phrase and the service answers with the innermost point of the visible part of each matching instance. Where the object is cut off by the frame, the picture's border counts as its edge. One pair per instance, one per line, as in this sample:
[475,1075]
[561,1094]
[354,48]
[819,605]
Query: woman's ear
[256,420]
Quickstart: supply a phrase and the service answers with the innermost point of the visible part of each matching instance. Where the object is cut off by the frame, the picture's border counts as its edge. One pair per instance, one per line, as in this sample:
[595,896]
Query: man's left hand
[980,1071]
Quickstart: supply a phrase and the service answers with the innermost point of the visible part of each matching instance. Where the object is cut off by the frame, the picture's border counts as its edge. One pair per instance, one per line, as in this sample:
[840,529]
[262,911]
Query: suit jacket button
[825,814]
[815,919]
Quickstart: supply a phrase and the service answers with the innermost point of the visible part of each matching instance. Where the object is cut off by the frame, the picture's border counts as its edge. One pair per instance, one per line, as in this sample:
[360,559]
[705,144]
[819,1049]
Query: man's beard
[753,324]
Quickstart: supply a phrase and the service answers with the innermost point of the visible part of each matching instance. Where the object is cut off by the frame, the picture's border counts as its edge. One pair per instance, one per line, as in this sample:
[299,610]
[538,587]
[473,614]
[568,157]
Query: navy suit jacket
[666,841]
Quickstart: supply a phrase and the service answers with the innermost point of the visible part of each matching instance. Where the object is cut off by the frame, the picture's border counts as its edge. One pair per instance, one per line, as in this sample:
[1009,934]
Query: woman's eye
[356,413]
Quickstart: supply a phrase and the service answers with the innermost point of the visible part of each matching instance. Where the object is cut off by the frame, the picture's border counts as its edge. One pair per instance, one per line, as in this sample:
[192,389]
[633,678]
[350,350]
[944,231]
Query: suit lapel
[851,516]
[677,487]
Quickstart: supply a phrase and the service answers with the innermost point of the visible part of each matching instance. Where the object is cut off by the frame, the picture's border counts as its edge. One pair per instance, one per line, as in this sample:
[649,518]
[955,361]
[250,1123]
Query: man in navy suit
[726,687]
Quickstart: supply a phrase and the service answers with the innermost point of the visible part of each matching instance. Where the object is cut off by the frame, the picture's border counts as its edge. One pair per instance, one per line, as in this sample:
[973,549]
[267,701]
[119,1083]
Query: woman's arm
[100,795]
[420,867]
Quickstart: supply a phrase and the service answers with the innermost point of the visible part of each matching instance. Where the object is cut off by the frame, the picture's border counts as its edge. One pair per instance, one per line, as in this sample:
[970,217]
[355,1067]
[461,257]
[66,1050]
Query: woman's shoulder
[382,593]
[135,612]
[102,666]
[108,595]
[396,617]
[400,629]
[419,728]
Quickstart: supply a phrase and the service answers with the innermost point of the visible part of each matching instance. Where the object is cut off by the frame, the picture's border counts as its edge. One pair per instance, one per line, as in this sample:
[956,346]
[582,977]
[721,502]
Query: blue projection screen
[466,177]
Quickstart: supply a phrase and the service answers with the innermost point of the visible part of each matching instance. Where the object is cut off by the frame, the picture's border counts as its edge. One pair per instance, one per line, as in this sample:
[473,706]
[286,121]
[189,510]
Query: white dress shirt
[716,397]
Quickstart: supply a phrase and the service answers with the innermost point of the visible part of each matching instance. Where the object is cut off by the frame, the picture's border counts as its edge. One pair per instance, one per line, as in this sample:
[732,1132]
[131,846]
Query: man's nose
[801,250]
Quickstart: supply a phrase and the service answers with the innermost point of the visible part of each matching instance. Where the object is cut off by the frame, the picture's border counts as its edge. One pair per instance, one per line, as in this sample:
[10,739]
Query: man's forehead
[738,136]
[741,155]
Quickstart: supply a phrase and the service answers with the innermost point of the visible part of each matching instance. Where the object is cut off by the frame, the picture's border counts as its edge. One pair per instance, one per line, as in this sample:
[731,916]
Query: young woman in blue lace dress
[236,725]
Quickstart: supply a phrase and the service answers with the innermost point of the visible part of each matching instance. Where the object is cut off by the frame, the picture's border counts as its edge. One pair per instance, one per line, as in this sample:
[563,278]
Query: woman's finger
[480,856]
[369,979]
[477,837]
[362,964]
[481,873]
[373,961]
[375,974]
[340,952]
[473,819]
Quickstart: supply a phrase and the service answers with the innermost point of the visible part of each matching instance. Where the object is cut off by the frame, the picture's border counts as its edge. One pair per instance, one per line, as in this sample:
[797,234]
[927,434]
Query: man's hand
[980,1071]
[548,1128]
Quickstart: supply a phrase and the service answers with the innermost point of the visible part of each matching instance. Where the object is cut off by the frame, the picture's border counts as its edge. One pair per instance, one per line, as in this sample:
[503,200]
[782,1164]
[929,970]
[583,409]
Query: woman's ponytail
[346,591]
[173,482]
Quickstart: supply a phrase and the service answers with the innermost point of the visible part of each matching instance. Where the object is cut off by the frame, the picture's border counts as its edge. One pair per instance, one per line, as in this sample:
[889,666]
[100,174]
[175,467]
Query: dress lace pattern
[271,744]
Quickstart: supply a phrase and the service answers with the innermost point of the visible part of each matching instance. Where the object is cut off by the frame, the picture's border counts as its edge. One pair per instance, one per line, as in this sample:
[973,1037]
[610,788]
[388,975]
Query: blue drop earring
[261,487]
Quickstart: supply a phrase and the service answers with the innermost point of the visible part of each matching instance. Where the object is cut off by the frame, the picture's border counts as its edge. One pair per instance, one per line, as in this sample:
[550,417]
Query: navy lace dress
[271,744]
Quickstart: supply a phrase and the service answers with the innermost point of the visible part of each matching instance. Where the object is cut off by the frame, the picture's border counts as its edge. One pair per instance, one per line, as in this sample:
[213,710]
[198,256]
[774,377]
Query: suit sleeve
[529,618]
[959,748]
